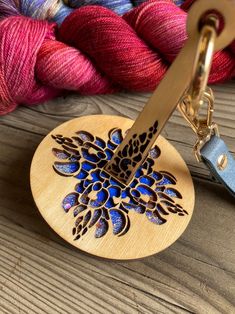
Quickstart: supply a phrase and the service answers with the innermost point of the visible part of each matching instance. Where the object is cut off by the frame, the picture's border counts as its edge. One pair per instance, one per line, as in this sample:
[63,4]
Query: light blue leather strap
[213,151]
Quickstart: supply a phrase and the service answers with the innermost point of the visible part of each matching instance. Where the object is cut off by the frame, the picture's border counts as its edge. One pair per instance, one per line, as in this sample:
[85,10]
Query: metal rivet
[222,162]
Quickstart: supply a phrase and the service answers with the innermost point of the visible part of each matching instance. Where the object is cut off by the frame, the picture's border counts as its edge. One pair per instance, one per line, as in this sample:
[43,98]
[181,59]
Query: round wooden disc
[93,211]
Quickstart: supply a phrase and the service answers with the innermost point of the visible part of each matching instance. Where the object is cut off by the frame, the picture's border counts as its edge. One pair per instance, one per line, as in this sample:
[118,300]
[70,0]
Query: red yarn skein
[114,48]
[136,57]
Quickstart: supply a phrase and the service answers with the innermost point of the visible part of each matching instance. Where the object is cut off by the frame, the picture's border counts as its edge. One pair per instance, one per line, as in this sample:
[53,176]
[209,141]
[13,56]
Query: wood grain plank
[40,273]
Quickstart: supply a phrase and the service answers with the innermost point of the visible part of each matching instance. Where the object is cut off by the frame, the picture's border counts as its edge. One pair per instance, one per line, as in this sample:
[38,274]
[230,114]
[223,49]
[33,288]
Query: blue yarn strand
[118,6]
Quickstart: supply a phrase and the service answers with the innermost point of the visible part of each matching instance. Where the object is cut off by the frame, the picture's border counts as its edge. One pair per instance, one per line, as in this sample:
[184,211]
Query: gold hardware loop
[202,66]
[225,9]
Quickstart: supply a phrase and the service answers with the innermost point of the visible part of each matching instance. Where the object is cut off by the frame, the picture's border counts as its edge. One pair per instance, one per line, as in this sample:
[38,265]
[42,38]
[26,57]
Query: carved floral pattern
[101,202]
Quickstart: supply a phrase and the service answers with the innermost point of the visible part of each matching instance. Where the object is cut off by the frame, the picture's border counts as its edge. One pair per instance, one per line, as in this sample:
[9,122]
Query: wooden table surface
[41,273]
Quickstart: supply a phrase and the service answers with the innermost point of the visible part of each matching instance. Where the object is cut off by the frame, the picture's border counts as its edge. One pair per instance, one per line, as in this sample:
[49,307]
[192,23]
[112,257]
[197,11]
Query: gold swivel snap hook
[202,65]
[198,94]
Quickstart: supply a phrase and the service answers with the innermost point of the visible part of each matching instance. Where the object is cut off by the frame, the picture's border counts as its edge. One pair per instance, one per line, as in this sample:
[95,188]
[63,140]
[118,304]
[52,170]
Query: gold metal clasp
[204,127]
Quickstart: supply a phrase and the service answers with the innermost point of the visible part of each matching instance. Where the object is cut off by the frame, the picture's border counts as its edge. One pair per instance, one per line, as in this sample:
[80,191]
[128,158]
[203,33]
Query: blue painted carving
[100,201]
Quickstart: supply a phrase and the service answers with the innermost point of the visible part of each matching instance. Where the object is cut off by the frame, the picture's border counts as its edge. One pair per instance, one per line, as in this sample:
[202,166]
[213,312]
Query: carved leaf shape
[155,217]
[66,168]
[69,201]
[60,154]
[101,228]
[77,210]
[173,193]
[96,215]
[155,152]
[118,220]
[85,136]
[116,136]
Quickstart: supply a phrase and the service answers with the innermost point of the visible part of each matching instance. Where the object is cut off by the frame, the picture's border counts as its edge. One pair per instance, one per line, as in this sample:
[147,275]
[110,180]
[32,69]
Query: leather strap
[220,161]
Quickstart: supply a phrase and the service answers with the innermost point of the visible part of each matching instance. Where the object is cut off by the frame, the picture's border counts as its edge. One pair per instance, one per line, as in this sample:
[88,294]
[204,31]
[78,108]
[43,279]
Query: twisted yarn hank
[122,55]
[20,42]
[102,53]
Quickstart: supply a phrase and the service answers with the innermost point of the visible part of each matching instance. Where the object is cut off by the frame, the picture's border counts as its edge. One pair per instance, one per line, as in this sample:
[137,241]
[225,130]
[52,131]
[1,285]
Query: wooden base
[96,213]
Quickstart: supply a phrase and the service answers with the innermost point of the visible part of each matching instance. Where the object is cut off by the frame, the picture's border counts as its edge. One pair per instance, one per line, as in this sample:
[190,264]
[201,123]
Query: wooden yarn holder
[98,214]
